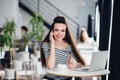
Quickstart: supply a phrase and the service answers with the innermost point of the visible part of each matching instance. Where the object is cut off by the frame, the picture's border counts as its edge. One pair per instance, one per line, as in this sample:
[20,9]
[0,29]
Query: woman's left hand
[72,65]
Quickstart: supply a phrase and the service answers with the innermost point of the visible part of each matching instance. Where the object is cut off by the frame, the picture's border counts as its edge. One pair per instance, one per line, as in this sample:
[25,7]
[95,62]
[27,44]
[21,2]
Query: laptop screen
[98,60]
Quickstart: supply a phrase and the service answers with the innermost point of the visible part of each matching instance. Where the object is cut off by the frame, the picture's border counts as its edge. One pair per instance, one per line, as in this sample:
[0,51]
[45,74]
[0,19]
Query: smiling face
[59,31]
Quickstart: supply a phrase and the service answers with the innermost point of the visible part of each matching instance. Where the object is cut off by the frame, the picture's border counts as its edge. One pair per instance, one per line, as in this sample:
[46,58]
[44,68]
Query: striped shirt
[61,56]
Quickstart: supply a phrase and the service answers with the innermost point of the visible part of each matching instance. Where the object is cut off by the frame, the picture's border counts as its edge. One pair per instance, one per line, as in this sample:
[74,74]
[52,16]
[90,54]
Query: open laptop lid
[98,60]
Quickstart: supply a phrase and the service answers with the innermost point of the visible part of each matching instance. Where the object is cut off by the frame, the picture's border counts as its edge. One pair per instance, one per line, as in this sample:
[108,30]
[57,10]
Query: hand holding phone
[51,37]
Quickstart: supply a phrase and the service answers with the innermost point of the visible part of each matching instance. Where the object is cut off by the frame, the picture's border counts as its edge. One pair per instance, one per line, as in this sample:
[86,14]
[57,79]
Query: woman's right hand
[51,38]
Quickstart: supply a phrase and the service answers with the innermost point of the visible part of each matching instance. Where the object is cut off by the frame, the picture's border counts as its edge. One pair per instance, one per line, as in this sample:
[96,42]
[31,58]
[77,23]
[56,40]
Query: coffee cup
[62,66]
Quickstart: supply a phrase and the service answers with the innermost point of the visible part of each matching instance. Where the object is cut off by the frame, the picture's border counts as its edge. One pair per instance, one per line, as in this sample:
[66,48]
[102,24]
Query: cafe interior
[25,23]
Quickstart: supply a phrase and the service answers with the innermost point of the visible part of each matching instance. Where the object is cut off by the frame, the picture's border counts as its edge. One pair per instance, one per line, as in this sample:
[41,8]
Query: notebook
[98,61]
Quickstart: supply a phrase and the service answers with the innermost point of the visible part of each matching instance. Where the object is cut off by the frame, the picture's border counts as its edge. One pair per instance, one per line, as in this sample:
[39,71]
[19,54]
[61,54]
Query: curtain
[115,44]
[105,17]
[89,30]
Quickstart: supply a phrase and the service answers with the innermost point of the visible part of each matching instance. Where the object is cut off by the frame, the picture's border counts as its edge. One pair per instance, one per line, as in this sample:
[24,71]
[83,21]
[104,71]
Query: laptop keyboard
[82,69]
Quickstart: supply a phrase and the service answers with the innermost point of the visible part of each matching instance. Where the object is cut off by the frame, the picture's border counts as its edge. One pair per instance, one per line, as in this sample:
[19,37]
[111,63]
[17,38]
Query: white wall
[69,7]
[9,11]
[84,11]
[24,19]
[6,11]
[12,11]
[76,9]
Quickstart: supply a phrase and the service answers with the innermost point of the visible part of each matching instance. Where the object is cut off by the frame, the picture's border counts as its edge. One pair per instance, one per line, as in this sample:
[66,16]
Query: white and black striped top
[61,56]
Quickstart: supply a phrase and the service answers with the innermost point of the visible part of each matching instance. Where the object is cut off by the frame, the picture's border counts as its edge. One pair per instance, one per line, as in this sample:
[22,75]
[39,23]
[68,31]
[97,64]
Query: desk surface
[19,72]
[2,72]
[73,73]
[22,72]
[66,73]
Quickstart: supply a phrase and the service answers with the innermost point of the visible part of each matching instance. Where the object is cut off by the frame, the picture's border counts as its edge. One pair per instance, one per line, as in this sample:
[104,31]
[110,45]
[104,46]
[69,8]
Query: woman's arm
[72,63]
[50,60]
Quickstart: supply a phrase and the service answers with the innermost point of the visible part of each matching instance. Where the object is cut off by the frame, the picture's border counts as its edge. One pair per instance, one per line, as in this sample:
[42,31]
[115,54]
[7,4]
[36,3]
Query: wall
[12,11]
[76,9]
[5,11]
[24,19]
[84,11]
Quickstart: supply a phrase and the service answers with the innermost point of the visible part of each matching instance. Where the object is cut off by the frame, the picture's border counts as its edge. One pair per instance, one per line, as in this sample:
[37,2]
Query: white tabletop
[2,72]
[21,72]
[73,73]
[29,72]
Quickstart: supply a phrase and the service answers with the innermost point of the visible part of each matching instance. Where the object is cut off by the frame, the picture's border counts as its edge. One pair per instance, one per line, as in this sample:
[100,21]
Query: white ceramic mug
[62,66]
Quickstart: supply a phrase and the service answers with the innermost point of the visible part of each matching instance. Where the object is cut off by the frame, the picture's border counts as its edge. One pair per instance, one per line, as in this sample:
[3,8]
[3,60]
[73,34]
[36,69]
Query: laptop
[98,61]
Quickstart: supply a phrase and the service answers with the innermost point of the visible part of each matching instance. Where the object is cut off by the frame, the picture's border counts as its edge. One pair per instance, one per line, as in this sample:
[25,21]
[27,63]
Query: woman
[58,47]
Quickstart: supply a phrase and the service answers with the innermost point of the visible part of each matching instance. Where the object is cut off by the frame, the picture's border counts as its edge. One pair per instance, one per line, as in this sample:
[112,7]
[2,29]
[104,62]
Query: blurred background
[99,17]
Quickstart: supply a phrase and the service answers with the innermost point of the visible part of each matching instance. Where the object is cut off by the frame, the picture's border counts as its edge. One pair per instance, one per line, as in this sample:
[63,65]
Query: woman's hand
[51,38]
[72,65]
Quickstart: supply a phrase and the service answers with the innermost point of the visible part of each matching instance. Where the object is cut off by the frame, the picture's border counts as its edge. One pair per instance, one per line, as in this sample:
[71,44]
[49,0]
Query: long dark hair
[68,38]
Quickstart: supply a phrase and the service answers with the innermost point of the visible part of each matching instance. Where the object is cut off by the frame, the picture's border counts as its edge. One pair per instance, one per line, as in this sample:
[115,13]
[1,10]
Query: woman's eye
[63,30]
[55,30]
[59,30]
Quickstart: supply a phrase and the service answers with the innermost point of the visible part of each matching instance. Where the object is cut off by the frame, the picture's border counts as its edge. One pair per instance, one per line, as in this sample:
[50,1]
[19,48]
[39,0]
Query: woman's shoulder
[68,46]
[45,45]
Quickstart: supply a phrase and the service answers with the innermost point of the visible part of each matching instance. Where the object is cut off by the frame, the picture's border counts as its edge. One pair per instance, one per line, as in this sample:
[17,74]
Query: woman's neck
[59,42]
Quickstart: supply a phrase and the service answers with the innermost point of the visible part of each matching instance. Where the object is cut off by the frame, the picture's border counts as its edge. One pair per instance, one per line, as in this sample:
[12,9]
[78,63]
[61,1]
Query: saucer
[61,70]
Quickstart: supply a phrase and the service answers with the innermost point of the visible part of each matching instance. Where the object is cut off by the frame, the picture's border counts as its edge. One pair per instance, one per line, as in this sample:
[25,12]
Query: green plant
[27,38]
[9,30]
[37,26]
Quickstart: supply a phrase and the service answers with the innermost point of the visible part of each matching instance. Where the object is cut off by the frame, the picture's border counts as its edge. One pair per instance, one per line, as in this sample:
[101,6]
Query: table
[2,74]
[22,73]
[19,73]
[74,73]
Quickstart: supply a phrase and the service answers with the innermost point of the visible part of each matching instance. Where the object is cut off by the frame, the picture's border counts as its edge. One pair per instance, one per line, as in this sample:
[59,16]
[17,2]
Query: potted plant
[9,31]
[26,39]
[37,27]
